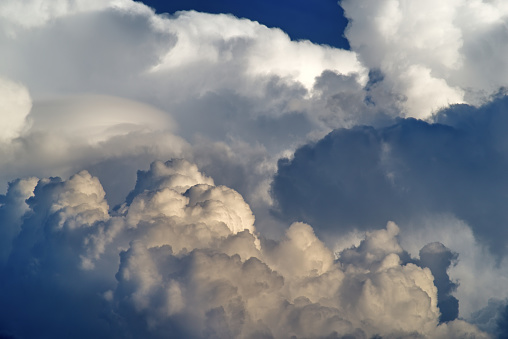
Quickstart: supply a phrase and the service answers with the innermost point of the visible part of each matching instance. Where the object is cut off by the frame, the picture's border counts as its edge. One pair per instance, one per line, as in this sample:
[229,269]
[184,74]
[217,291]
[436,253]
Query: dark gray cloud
[438,259]
[361,177]
[220,78]
[493,318]
[502,323]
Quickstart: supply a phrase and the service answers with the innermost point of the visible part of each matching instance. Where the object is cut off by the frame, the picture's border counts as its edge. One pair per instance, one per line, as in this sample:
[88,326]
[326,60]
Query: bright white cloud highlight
[224,39]
[433,54]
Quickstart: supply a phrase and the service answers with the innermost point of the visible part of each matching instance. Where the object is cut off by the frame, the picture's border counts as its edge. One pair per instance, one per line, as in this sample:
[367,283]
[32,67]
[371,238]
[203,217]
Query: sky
[280,169]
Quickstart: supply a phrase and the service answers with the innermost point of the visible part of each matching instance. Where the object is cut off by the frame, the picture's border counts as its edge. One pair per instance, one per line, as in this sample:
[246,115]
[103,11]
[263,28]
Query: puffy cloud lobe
[43,265]
[179,175]
[223,38]
[225,296]
[478,274]
[60,215]
[177,194]
[132,268]
[432,54]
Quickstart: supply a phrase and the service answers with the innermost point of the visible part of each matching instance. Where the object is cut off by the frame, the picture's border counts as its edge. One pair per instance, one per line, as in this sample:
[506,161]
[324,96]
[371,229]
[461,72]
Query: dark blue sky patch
[320,21]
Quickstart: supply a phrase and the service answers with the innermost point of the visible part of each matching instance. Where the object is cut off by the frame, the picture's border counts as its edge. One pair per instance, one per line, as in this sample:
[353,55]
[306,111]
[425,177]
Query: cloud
[96,91]
[96,118]
[477,273]
[439,258]
[12,208]
[365,176]
[14,109]
[168,61]
[441,182]
[431,54]
[503,322]
[493,317]
[29,14]
[247,95]
[183,256]
[209,38]
[245,84]
[99,133]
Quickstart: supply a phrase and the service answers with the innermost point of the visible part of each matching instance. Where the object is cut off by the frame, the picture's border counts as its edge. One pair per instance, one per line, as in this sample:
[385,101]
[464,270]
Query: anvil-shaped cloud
[322,145]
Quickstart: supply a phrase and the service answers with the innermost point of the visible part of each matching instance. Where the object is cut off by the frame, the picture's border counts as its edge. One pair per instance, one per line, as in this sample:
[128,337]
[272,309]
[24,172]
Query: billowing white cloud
[207,38]
[241,78]
[224,81]
[183,259]
[433,54]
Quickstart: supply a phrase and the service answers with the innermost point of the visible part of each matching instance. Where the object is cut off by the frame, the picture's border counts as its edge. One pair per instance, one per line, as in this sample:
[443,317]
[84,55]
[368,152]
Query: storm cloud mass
[196,175]
[365,176]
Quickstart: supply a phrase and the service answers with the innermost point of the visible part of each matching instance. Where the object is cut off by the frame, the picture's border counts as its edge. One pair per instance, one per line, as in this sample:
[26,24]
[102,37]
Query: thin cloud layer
[183,258]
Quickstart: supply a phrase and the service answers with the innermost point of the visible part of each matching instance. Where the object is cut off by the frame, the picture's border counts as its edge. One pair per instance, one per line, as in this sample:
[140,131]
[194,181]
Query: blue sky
[321,21]
[253,170]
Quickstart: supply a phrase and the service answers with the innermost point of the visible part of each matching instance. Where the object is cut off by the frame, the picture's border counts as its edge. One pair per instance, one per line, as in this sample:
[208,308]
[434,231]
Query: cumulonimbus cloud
[243,86]
[97,90]
[183,258]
